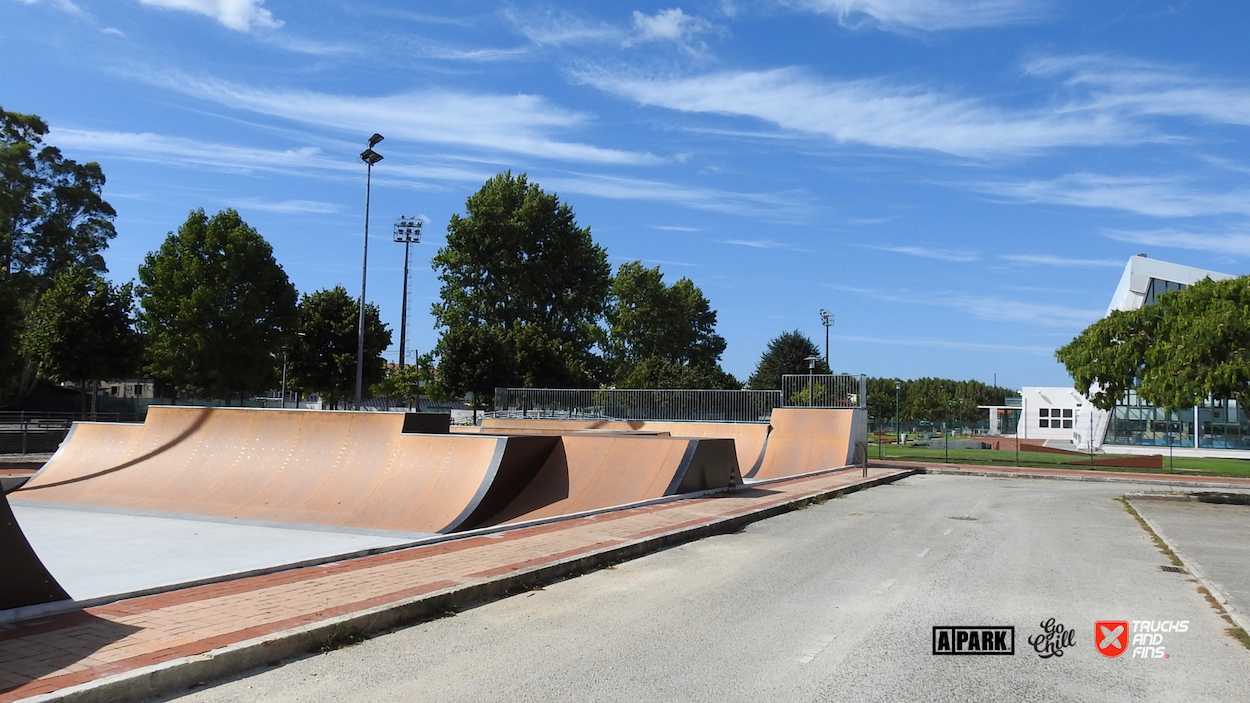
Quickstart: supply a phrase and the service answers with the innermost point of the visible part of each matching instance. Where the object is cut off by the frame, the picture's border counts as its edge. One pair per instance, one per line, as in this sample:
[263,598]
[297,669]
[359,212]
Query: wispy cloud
[759,244]
[1141,87]
[991,308]
[553,27]
[1154,196]
[239,15]
[930,253]
[1236,243]
[291,207]
[301,161]
[928,15]
[674,228]
[774,206]
[873,112]
[63,5]
[1049,260]
[517,124]
[947,344]
[669,25]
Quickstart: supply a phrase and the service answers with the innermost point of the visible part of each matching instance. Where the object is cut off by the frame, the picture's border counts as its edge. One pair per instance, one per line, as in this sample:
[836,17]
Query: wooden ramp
[749,438]
[804,440]
[594,471]
[338,469]
[26,581]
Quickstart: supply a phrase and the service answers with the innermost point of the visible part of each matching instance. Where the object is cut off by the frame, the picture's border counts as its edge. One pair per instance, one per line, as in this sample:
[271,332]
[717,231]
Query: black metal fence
[817,390]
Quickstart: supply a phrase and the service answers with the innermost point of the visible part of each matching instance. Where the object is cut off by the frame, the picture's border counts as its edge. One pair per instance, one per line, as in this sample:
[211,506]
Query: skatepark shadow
[191,429]
[550,485]
[90,634]
[745,493]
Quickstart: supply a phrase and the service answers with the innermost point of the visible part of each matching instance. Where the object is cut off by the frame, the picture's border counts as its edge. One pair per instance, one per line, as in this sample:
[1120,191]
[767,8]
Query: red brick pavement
[47,654]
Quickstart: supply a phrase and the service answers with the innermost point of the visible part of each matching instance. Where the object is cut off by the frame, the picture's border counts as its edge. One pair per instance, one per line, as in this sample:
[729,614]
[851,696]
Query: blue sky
[960,182]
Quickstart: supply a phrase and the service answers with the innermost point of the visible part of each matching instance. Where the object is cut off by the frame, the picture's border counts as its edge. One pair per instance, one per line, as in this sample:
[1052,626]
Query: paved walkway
[138,647]
[1183,480]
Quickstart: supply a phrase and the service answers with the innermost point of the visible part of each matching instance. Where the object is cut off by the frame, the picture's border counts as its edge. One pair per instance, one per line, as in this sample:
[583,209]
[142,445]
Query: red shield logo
[1111,637]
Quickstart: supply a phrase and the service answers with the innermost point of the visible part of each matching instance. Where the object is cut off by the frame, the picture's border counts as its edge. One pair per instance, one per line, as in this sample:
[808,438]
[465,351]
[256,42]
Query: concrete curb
[1216,593]
[169,677]
[990,473]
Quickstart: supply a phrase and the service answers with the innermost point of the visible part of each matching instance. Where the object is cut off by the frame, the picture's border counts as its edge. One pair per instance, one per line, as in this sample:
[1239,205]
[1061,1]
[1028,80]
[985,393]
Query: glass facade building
[1215,424]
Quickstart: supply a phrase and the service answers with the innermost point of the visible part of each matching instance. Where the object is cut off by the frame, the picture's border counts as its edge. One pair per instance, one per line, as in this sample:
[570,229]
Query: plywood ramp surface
[803,440]
[325,468]
[749,438]
[590,472]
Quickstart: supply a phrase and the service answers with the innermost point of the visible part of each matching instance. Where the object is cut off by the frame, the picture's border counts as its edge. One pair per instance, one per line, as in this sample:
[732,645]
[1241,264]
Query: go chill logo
[957,639]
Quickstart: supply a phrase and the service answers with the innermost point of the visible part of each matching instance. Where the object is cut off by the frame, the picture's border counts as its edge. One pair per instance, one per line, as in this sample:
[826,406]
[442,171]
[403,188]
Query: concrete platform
[97,553]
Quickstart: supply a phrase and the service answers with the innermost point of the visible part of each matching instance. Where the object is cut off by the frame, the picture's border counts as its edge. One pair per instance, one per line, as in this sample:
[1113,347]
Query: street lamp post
[811,379]
[898,438]
[826,319]
[370,157]
[408,231]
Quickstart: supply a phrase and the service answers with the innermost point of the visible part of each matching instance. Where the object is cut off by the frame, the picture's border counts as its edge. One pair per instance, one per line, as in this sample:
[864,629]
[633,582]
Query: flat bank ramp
[336,469]
[749,438]
[26,581]
[591,472]
[803,440]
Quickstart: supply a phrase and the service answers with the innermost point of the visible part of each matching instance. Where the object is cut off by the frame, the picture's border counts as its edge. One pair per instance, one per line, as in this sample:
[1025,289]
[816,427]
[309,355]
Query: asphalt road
[1213,538]
[834,602]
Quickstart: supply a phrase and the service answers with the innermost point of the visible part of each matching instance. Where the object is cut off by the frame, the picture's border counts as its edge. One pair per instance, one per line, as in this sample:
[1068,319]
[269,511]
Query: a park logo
[953,639]
[1111,637]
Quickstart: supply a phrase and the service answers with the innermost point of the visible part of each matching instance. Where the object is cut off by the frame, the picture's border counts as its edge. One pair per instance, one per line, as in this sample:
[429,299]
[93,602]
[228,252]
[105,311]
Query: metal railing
[816,391]
[24,432]
[635,404]
[824,390]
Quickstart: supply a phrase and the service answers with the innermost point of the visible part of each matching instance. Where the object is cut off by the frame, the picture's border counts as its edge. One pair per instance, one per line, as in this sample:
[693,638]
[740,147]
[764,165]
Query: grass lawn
[994,457]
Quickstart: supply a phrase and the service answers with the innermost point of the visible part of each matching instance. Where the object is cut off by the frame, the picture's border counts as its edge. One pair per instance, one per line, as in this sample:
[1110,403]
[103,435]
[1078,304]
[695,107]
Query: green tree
[412,381]
[52,218]
[786,354]
[323,357]
[662,336]
[217,307]
[522,289]
[1190,345]
[82,330]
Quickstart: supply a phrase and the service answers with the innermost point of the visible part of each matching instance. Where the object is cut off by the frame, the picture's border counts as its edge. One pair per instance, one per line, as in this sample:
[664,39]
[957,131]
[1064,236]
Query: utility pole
[408,231]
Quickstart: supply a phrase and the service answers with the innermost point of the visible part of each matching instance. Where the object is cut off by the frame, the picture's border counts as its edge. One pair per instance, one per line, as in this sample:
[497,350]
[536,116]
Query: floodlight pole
[408,231]
[826,319]
[370,157]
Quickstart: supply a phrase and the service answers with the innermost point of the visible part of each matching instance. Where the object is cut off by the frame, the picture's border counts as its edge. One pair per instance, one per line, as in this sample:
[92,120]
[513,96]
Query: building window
[1067,424]
[1043,415]
[1067,412]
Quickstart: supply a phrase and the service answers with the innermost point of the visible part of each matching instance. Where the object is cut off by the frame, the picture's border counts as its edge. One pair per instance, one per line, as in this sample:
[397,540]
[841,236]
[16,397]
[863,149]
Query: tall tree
[217,307]
[323,357]
[82,330]
[662,336]
[1190,345]
[523,286]
[52,218]
[786,354]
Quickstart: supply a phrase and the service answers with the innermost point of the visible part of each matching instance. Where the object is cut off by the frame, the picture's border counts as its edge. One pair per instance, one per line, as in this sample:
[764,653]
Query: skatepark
[194,494]
[145,558]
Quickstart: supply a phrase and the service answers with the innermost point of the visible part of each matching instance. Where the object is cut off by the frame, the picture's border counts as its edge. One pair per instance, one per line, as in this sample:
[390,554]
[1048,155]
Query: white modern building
[1060,415]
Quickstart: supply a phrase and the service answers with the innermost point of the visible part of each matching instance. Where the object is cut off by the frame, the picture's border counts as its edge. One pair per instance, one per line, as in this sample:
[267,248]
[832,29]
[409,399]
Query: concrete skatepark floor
[95,553]
[834,602]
